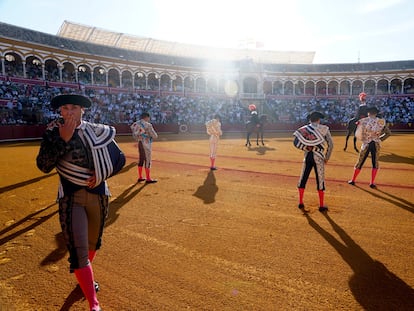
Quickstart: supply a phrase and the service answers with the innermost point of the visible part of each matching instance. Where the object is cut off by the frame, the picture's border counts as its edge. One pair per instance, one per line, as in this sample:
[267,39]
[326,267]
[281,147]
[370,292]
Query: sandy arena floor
[232,239]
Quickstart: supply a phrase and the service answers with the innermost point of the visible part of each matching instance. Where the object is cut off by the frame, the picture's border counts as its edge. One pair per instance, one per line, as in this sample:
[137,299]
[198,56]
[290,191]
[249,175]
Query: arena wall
[35,132]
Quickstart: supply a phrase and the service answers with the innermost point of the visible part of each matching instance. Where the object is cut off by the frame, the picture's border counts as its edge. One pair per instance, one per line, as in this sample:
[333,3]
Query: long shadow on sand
[57,254]
[25,183]
[372,284]
[74,296]
[260,150]
[127,168]
[395,158]
[207,191]
[120,201]
[38,220]
[399,202]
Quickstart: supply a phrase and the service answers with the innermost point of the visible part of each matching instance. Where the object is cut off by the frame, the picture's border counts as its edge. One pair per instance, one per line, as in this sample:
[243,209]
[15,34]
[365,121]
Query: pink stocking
[212,162]
[85,279]
[91,255]
[321,194]
[301,194]
[356,173]
[373,175]
[147,173]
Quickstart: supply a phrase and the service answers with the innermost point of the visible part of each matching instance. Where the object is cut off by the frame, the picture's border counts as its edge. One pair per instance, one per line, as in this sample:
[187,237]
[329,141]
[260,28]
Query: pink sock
[373,175]
[140,172]
[356,173]
[212,162]
[85,279]
[321,194]
[91,255]
[147,173]
[301,195]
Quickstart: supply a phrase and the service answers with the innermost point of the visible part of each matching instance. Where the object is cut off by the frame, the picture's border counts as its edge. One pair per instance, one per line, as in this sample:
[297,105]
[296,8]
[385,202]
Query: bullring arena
[231,239]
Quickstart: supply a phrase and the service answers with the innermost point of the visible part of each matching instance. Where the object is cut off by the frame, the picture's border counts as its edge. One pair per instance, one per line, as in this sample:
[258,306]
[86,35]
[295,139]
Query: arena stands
[29,104]
[182,90]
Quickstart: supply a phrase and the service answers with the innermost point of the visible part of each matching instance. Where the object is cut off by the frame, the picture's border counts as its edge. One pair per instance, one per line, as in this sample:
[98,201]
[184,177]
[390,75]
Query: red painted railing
[28,132]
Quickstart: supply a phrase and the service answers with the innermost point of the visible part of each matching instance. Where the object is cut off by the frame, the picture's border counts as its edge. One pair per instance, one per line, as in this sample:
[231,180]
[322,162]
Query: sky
[338,31]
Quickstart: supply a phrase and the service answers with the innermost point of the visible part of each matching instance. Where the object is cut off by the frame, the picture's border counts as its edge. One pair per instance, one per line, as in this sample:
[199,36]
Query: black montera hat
[73,99]
[373,109]
[315,115]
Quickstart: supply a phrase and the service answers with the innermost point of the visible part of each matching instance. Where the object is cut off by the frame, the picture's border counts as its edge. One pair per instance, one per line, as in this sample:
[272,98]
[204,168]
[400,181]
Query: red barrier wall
[12,132]
[16,132]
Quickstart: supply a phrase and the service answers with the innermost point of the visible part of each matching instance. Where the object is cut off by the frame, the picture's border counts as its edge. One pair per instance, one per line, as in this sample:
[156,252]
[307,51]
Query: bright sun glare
[235,24]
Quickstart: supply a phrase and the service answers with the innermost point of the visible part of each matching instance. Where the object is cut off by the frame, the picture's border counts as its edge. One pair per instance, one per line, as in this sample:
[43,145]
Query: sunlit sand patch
[9,223]
[5,260]
[52,268]
[18,277]
[30,233]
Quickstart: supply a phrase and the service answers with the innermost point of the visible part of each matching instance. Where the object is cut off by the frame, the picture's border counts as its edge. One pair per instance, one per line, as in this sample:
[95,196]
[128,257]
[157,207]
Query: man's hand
[67,129]
[91,181]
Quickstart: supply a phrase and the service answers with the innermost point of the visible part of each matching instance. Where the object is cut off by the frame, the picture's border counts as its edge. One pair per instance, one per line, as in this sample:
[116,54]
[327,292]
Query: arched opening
[300,88]
[84,74]
[357,87]
[333,88]
[396,86]
[99,76]
[126,78]
[113,78]
[68,72]
[310,88]
[345,88]
[52,70]
[250,85]
[139,81]
[13,65]
[34,68]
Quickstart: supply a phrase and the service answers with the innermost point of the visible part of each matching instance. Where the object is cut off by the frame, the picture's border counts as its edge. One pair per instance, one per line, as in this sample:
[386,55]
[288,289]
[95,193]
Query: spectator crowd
[30,104]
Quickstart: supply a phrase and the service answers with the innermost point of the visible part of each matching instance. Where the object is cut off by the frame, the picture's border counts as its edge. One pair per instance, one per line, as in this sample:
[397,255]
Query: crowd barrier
[31,132]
